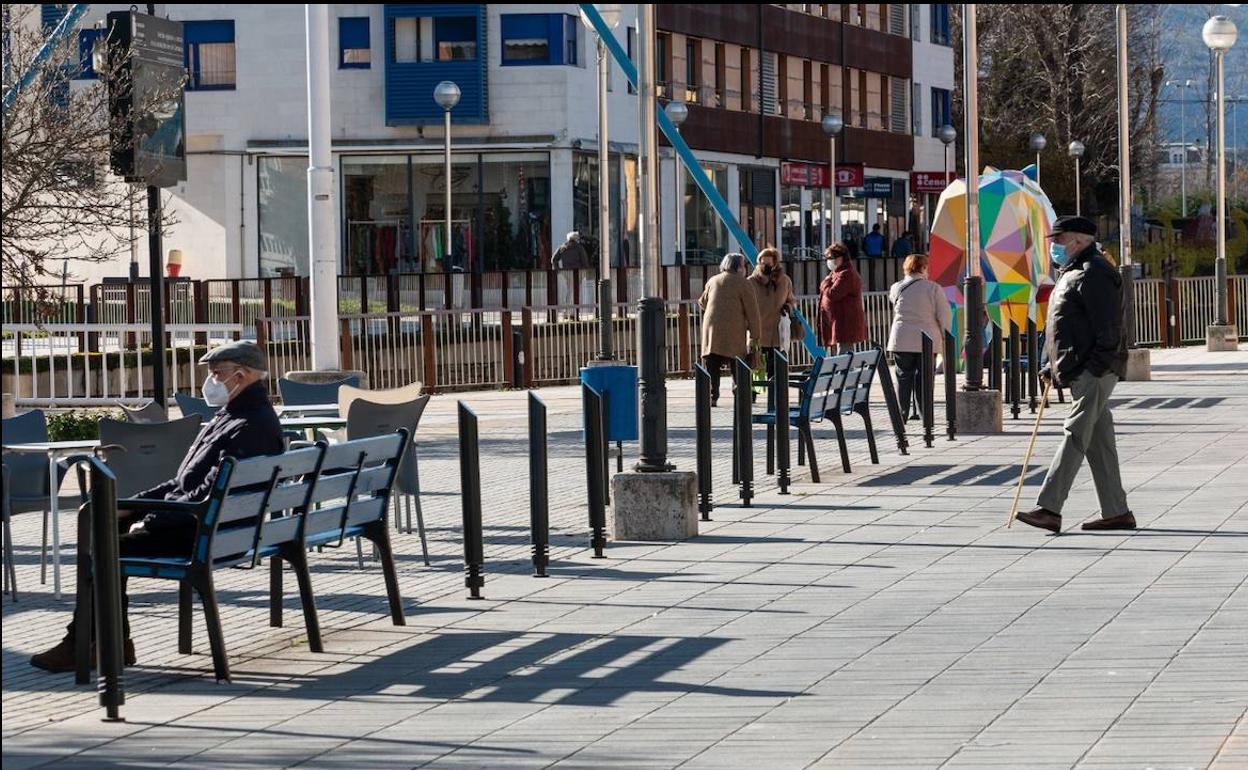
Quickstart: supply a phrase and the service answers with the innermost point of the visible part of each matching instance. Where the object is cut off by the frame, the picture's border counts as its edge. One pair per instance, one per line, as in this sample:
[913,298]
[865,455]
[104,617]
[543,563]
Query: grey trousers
[1088,432]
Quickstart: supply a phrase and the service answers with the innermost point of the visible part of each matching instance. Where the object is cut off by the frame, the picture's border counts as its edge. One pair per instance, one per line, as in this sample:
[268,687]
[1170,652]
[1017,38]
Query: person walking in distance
[773,289]
[729,318]
[1087,353]
[919,306]
[842,317]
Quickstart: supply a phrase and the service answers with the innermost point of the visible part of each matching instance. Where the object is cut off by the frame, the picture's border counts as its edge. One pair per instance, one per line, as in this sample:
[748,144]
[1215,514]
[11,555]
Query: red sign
[928,181]
[816,175]
[850,175]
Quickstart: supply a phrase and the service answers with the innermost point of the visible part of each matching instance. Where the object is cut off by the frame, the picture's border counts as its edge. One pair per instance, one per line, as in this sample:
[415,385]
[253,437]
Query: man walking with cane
[1087,353]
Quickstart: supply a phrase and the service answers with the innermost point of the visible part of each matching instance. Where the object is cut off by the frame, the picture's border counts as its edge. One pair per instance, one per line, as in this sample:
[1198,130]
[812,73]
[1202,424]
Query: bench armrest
[144,505]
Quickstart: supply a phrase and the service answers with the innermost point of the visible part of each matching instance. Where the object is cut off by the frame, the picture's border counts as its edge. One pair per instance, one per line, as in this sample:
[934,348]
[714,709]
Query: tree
[1052,68]
[60,201]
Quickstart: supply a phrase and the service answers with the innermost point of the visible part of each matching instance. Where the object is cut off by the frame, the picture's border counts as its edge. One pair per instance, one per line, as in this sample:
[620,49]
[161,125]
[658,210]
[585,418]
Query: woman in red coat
[842,318]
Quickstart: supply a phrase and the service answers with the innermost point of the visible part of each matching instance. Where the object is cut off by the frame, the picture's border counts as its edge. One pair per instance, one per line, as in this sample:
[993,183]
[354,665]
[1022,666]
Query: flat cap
[243,353]
[1069,224]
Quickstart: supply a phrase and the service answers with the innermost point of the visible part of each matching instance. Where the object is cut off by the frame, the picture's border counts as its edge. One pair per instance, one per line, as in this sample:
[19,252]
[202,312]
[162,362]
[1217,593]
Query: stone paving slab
[885,618]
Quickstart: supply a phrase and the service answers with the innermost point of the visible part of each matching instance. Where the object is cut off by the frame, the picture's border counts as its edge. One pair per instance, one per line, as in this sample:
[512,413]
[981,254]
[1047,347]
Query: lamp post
[1220,34]
[832,126]
[974,286]
[446,94]
[322,187]
[1075,150]
[1037,144]
[678,113]
[651,310]
[610,13]
[1186,84]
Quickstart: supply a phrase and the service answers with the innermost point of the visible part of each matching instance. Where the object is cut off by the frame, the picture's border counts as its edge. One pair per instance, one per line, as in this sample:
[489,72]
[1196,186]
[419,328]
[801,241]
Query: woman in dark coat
[842,317]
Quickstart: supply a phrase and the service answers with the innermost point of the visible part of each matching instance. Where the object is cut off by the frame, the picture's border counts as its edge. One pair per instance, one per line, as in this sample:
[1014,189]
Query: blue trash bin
[618,384]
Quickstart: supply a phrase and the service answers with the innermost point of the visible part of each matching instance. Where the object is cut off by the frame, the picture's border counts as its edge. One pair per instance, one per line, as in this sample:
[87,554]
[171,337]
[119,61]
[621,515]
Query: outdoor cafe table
[309,425]
[305,410]
[54,450]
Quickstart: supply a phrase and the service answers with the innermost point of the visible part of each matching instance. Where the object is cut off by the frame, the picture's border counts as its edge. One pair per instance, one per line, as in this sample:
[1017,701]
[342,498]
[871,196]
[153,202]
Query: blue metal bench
[818,392]
[855,398]
[278,506]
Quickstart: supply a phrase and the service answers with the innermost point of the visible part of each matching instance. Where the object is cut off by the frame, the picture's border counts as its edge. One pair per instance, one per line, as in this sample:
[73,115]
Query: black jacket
[245,427]
[1084,329]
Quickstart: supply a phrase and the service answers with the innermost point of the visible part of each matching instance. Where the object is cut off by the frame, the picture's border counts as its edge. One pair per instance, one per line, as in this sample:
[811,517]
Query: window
[748,99]
[808,91]
[427,39]
[693,69]
[662,55]
[209,55]
[942,111]
[632,46]
[531,39]
[940,24]
[353,47]
[86,45]
[721,75]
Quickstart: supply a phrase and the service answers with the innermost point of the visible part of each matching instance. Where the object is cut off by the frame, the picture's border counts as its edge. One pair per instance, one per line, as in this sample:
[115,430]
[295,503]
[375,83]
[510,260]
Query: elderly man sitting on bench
[245,426]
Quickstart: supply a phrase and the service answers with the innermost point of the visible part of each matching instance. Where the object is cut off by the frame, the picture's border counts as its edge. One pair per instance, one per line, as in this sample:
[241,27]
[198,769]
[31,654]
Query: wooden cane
[1044,401]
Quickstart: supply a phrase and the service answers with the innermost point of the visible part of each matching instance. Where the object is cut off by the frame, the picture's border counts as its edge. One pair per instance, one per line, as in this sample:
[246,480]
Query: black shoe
[1042,518]
[714,401]
[60,659]
[1125,521]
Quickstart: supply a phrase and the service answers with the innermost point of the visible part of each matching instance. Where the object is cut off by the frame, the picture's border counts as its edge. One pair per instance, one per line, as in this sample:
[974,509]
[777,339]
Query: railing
[86,364]
[1149,312]
[1196,299]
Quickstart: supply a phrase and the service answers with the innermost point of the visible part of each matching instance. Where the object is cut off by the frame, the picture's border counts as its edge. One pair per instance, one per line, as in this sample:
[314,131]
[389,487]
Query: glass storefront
[282,192]
[705,237]
[790,222]
[394,213]
[757,188]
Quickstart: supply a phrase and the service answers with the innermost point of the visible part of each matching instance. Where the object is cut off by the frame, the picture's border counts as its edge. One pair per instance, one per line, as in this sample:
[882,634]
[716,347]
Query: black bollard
[539,489]
[780,380]
[885,375]
[470,494]
[742,414]
[951,385]
[702,389]
[591,410]
[1033,366]
[927,390]
[1016,372]
[994,359]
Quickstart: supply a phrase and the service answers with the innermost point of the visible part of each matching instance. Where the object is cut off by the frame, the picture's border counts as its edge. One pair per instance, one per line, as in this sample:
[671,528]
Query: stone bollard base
[1221,339]
[654,506]
[1139,365]
[328,375]
[979,412]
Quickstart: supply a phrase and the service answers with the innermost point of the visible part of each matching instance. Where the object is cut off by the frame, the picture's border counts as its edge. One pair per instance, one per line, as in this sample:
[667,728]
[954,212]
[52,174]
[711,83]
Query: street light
[1220,34]
[678,113]
[832,126]
[610,13]
[948,135]
[446,94]
[1186,84]
[1075,150]
[1037,144]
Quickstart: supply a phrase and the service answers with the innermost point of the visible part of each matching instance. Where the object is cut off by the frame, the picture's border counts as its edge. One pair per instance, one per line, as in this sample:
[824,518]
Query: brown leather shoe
[1042,518]
[60,658]
[1125,521]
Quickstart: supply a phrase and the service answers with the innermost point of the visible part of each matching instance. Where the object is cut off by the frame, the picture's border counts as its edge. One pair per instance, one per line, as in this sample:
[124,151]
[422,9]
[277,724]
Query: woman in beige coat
[729,318]
[919,306]
[773,289]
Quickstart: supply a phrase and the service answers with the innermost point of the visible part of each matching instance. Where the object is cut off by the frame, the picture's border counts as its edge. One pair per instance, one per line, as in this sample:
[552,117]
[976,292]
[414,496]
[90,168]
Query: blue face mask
[1057,253]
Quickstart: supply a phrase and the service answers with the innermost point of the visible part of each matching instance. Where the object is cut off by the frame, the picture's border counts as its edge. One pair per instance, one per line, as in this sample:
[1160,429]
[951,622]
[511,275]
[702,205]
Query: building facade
[757,80]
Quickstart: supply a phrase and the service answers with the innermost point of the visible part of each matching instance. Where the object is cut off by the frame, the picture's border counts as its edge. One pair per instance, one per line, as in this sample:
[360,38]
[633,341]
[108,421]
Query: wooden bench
[279,506]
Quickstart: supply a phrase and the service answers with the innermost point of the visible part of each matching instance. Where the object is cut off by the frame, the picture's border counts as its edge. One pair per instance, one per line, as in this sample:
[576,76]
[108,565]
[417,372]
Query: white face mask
[217,393]
[831,263]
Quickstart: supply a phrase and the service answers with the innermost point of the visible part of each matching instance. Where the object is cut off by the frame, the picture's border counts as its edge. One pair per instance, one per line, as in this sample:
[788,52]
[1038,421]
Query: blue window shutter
[571,26]
[523,25]
[456,29]
[352,34]
[51,14]
[554,38]
[197,32]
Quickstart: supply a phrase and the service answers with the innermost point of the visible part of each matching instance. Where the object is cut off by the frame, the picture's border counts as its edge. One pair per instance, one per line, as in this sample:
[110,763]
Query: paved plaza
[884,618]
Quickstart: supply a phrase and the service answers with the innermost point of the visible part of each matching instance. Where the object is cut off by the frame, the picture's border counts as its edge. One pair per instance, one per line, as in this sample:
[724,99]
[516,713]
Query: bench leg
[771,450]
[299,562]
[865,412]
[380,536]
[801,447]
[840,439]
[212,617]
[276,591]
[185,602]
[806,433]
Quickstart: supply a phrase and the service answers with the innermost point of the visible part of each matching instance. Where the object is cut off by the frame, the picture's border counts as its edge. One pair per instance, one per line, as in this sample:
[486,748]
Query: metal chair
[9,569]
[192,405]
[365,420]
[26,490]
[152,412]
[306,394]
[142,456]
[347,394]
